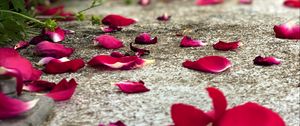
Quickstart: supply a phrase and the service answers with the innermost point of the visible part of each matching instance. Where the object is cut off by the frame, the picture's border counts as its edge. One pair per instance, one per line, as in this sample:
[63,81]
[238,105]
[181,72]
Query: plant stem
[23,16]
[92,6]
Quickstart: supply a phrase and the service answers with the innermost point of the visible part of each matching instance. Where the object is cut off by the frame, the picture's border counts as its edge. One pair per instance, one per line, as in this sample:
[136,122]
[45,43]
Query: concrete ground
[97,100]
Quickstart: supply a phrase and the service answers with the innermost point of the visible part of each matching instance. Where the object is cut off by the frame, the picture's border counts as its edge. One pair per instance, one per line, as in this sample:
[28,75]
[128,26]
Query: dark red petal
[50,49]
[144,2]
[13,73]
[63,90]
[55,36]
[292,3]
[108,42]
[38,85]
[21,45]
[164,17]
[210,64]
[224,46]
[287,31]
[145,38]
[140,52]
[10,107]
[189,42]
[132,87]
[245,1]
[266,61]
[111,29]
[187,115]
[56,66]
[44,10]
[118,123]
[117,20]
[219,102]
[208,2]
[66,16]
[37,39]
[117,54]
[250,114]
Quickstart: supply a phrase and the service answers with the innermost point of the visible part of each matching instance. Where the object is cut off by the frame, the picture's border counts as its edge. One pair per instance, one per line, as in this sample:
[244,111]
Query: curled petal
[287,31]
[63,90]
[266,61]
[21,45]
[111,29]
[118,123]
[13,73]
[145,38]
[164,17]
[209,64]
[56,66]
[39,85]
[224,46]
[292,3]
[50,49]
[250,114]
[187,115]
[140,52]
[245,1]
[219,103]
[117,20]
[208,2]
[108,42]
[132,87]
[10,107]
[189,42]
[144,2]
[56,35]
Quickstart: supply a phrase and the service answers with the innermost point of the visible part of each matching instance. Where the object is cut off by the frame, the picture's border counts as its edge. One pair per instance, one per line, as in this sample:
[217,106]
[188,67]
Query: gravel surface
[97,100]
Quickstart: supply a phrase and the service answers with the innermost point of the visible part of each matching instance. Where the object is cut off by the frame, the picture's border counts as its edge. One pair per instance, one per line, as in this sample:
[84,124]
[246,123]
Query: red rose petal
[250,114]
[63,90]
[38,85]
[21,45]
[245,1]
[108,42]
[37,39]
[189,42]
[10,107]
[117,54]
[292,3]
[140,52]
[224,46]
[266,61]
[66,16]
[118,123]
[208,2]
[219,102]
[111,29]
[145,38]
[56,66]
[164,17]
[44,10]
[55,36]
[210,64]
[144,2]
[187,115]
[13,73]
[50,49]
[132,87]
[117,20]
[288,30]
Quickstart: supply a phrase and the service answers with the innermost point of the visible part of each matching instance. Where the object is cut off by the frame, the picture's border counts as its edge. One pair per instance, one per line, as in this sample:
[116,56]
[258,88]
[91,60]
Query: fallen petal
[117,54]
[224,46]
[37,39]
[21,45]
[108,42]
[50,49]
[145,38]
[66,16]
[219,103]
[189,42]
[164,17]
[111,29]
[132,87]
[208,2]
[44,10]
[56,35]
[13,73]
[266,61]
[38,85]
[287,31]
[245,1]
[140,52]
[63,90]
[144,2]
[117,20]
[292,3]
[209,64]
[56,66]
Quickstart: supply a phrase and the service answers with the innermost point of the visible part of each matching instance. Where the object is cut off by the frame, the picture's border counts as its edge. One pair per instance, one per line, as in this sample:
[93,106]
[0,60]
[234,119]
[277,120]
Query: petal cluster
[132,86]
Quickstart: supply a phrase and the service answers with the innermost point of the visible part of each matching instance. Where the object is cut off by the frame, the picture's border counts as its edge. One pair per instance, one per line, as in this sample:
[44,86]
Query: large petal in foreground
[189,42]
[108,42]
[290,30]
[132,86]
[50,49]
[226,46]
[292,3]
[208,2]
[63,90]
[266,61]
[210,64]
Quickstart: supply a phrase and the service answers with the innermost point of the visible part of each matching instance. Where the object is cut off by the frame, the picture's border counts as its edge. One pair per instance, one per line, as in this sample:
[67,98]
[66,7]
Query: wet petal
[219,102]
[10,107]
[292,3]
[250,114]
[209,64]
[164,17]
[245,1]
[38,85]
[55,36]
[132,87]
[287,31]
[117,20]
[145,38]
[226,46]
[189,42]
[140,52]
[266,61]
[63,90]
[50,49]
[108,42]
[144,2]
[56,66]
[208,2]
[21,45]
[187,115]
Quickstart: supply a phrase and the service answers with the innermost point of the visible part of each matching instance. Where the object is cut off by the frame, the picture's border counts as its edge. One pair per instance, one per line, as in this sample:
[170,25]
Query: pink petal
[50,49]
[187,115]
[56,66]
[266,61]
[287,31]
[118,123]
[224,46]
[117,20]
[132,87]
[292,3]
[164,17]
[122,63]
[245,1]
[189,42]
[44,10]
[10,107]
[140,52]
[39,85]
[208,2]
[209,64]
[63,90]
[144,2]
[250,114]
[13,73]
[108,42]
[111,29]
[145,38]
[219,102]
[21,45]
[55,36]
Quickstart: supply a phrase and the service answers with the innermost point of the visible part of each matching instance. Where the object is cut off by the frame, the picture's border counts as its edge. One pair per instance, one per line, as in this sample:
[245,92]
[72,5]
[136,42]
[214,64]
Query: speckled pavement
[97,100]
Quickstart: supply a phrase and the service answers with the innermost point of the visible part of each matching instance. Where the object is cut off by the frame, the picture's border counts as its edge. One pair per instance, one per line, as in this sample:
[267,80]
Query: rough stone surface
[8,86]
[96,100]
[35,117]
